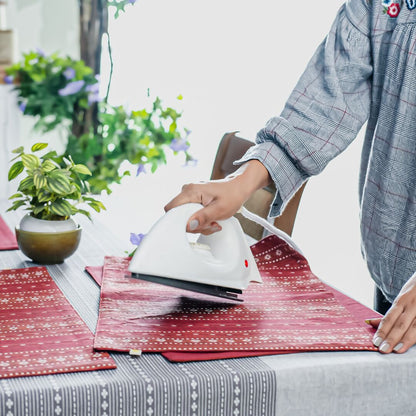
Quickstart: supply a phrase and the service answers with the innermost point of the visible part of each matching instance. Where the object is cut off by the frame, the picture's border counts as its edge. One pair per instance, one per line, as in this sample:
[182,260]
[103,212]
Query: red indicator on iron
[246,262]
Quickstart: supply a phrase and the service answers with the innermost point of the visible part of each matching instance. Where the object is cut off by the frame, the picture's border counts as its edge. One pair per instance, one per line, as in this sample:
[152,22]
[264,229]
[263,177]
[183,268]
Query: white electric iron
[220,264]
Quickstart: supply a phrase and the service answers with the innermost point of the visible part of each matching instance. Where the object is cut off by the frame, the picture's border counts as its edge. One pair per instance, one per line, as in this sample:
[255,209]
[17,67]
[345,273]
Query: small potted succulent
[52,191]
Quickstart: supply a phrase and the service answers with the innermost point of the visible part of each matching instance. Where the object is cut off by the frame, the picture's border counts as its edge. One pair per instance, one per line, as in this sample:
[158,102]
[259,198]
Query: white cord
[269,227]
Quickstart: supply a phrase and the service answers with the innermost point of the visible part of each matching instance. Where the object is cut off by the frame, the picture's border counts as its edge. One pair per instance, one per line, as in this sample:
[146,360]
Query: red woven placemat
[40,332]
[359,311]
[291,311]
[96,272]
[7,237]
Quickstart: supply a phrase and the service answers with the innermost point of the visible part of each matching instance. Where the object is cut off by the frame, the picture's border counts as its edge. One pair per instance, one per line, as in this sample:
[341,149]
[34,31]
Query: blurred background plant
[64,93]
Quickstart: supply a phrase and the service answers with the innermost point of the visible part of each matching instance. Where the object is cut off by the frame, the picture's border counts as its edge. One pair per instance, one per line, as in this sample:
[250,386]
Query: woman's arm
[222,198]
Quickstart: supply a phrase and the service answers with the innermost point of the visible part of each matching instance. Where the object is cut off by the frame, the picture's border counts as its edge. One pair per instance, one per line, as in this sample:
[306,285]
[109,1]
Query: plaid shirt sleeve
[325,111]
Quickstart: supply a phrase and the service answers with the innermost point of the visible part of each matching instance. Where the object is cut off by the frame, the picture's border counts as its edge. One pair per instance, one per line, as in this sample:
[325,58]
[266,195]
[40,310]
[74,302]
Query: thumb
[374,322]
[205,220]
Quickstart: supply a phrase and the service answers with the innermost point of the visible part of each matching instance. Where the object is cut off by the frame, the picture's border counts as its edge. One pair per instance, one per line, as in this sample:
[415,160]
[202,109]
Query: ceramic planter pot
[47,242]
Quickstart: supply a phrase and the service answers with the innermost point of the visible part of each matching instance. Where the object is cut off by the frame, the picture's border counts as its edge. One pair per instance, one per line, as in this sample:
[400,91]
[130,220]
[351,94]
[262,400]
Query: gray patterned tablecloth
[333,383]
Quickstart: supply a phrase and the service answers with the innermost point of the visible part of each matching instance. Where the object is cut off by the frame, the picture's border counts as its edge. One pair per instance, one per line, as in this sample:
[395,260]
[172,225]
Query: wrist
[251,176]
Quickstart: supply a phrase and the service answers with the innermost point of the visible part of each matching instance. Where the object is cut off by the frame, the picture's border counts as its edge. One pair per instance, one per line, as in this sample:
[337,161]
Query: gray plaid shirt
[364,71]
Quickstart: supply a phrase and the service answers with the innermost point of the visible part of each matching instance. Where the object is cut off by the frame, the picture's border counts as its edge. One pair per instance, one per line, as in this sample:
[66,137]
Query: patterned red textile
[40,332]
[291,311]
[359,311]
[7,237]
[96,272]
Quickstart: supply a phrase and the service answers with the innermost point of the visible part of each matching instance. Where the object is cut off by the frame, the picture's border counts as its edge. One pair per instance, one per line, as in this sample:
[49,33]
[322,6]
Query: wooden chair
[231,148]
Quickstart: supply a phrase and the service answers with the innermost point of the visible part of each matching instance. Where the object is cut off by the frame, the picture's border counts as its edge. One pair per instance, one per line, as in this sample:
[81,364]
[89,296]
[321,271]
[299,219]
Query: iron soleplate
[218,291]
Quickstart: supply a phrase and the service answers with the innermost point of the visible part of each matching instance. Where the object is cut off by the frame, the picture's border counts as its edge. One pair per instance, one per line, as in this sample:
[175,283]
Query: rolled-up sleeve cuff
[284,174]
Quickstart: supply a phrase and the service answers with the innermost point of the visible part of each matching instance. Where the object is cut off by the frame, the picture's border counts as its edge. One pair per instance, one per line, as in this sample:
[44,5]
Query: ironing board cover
[7,237]
[291,311]
[40,332]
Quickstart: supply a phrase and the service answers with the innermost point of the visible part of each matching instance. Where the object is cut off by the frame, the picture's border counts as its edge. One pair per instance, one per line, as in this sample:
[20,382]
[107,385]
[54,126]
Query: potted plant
[51,194]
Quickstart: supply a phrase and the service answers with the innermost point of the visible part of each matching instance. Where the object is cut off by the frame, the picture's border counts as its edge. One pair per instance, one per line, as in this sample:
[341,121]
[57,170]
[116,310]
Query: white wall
[9,125]
[47,24]
[235,62]
[51,26]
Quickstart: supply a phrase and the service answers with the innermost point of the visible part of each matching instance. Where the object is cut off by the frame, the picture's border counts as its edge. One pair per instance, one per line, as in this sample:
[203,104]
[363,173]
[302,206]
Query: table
[320,383]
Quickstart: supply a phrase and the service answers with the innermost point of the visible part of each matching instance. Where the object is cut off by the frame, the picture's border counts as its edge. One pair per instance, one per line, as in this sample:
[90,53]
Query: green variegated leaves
[59,183]
[82,169]
[94,204]
[15,170]
[39,179]
[62,208]
[30,162]
[49,190]
[26,185]
[48,165]
[38,146]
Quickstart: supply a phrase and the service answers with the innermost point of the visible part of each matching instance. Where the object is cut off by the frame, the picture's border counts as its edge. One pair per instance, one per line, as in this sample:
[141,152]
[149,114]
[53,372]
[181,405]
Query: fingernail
[384,346]
[398,346]
[193,225]
[368,320]
[377,341]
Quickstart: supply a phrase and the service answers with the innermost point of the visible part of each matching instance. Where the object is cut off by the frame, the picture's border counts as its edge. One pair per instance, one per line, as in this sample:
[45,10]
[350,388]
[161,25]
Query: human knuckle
[203,218]
[399,304]
[386,320]
[381,334]
[407,341]
[401,324]
[411,302]
[188,187]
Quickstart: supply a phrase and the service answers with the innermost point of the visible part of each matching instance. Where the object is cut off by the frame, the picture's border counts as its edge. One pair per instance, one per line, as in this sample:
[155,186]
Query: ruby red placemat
[7,237]
[96,272]
[359,311]
[40,332]
[291,311]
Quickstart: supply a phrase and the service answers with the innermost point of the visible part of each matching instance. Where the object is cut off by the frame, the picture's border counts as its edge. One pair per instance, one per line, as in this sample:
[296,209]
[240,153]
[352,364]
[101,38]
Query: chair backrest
[231,148]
